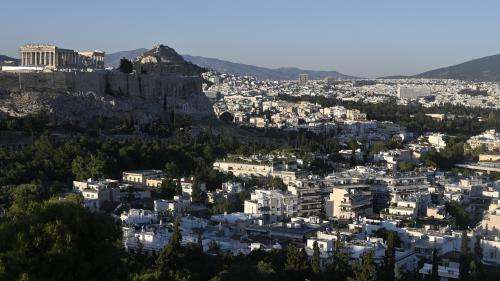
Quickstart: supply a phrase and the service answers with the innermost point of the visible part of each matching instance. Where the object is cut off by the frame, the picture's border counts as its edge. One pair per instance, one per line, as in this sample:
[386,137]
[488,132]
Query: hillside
[482,69]
[8,60]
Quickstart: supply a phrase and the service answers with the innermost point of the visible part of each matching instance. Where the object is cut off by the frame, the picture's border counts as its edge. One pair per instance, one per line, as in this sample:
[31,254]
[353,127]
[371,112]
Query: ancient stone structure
[53,57]
[164,84]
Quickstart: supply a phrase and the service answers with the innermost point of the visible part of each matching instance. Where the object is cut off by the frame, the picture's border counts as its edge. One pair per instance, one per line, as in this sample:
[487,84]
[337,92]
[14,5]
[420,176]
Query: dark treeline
[468,121]
[48,160]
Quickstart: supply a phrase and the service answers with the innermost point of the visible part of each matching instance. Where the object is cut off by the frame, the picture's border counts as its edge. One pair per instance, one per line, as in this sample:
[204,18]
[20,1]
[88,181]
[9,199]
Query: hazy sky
[367,38]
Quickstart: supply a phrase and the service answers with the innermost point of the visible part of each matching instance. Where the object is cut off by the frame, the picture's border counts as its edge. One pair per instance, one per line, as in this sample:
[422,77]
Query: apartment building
[272,202]
[348,202]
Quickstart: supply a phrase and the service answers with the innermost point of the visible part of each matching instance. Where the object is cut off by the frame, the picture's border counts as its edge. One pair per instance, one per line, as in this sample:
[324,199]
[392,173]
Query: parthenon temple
[53,57]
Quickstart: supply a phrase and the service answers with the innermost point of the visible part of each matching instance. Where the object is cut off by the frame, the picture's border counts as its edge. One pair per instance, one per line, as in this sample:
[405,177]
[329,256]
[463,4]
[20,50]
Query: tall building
[348,202]
[303,79]
[413,91]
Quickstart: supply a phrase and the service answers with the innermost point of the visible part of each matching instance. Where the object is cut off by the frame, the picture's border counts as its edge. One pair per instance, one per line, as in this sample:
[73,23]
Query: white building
[413,91]
[348,202]
[138,216]
[271,202]
[437,140]
[411,206]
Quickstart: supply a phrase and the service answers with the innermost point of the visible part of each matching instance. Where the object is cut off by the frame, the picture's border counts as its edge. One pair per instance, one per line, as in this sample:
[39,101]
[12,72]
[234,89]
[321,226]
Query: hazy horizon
[368,39]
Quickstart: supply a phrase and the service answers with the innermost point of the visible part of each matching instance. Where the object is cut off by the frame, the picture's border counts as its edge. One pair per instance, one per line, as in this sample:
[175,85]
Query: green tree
[460,216]
[315,260]
[169,260]
[60,240]
[171,170]
[126,66]
[365,270]
[434,275]
[296,263]
[390,257]
[464,257]
[478,273]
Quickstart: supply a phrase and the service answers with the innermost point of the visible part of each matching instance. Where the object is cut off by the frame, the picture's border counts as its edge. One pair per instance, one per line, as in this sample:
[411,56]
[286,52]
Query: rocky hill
[82,96]
[163,59]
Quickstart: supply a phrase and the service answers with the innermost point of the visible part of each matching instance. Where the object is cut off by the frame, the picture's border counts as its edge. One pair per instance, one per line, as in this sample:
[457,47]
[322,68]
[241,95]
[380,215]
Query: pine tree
[464,257]
[365,269]
[169,259]
[296,263]
[315,262]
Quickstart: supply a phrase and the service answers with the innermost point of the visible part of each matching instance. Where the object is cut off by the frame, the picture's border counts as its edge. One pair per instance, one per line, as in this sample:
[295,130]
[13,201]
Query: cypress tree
[365,269]
[390,257]
[315,262]
[478,259]
[464,257]
[169,259]
[434,276]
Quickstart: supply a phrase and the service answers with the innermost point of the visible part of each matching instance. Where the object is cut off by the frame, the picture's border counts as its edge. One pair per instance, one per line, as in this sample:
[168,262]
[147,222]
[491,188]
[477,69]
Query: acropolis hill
[163,83]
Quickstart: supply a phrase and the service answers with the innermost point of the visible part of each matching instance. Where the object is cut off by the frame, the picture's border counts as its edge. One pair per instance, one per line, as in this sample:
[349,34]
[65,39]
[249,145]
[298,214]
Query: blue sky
[368,38]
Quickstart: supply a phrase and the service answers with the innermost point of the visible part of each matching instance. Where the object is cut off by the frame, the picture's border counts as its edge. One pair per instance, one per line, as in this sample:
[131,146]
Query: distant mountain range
[8,60]
[284,73]
[288,73]
[482,69]
[113,59]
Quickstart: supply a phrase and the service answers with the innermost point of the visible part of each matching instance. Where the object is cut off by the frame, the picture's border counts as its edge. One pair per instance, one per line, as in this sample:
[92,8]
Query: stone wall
[81,96]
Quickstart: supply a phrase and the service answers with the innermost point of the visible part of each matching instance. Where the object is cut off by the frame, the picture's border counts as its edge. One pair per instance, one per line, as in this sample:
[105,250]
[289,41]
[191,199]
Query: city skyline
[362,39]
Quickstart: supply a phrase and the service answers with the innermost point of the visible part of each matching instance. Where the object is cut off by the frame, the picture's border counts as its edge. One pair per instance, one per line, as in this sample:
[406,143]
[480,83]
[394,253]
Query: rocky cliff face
[82,96]
[163,59]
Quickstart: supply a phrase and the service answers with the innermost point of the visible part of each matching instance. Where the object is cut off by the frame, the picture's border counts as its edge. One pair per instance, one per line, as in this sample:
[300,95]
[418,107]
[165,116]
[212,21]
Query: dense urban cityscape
[158,167]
